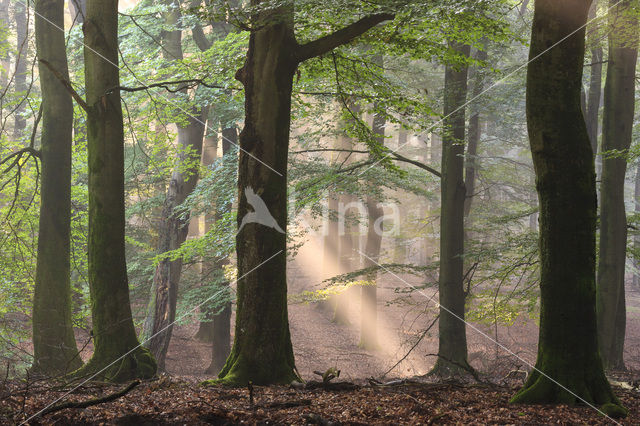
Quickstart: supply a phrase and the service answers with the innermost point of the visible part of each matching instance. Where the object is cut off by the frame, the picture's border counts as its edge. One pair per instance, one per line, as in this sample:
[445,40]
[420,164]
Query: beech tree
[262,351]
[173,227]
[117,354]
[569,367]
[617,132]
[54,343]
[452,349]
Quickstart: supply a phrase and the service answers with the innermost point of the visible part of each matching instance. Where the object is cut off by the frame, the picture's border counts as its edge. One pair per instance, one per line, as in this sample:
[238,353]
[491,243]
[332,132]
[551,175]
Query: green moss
[614,411]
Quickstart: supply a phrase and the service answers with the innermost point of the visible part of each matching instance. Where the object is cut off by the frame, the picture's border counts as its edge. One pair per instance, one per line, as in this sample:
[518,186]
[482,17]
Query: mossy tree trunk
[113,331]
[452,349]
[617,132]
[262,351]
[565,181]
[54,345]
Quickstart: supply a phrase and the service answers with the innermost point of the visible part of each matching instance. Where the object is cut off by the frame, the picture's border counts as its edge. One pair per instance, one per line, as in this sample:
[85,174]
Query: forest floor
[319,344]
[168,402]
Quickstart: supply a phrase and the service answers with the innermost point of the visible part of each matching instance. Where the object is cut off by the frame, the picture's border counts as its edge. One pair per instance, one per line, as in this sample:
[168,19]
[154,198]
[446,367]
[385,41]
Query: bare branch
[67,85]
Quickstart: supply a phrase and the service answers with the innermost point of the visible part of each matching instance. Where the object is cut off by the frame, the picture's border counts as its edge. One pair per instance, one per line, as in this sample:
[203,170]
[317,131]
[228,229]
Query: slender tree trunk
[369,296]
[473,138]
[452,351]
[54,344]
[563,160]
[262,351]
[222,320]
[636,238]
[617,132]
[77,10]
[173,228]
[113,331]
[595,80]
[20,78]
[5,58]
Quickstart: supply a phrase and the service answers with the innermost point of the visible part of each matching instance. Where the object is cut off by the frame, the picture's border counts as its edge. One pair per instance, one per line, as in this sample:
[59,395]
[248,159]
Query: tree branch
[67,85]
[338,38]
[89,403]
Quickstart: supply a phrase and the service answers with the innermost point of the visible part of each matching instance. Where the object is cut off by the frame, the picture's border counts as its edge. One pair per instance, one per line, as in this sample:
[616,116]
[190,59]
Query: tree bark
[222,320]
[20,77]
[452,351]
[77,10]
[113,331]
[473,138]
[636,238]
[5,57]
[565,181]
[173,228]
[369,293]
[595,80]
[262,351]
[54,345]
[617,132]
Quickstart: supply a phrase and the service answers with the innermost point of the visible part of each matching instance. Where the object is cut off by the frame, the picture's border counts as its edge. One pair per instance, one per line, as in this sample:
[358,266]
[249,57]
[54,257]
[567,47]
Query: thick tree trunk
[369,293]
[20,78]
[452,351]
[617,132]
[262,351]
[565,180]
[222,320]
[113,331]
[473,138]
[54,344]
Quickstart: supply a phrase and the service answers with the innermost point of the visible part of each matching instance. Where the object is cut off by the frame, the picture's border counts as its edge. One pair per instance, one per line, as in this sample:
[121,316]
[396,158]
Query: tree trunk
[5,57]
[20,78]
[262,351]
[452,351]
[473,138]
[54,345]
[595,80]
[113,331]
[617,132]
[77,10]
[369,293]
[636,238]
[173,228]
[222,320]
[565,180]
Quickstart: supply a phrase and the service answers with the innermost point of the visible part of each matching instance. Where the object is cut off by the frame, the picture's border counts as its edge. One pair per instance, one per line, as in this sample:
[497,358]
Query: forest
[302,212]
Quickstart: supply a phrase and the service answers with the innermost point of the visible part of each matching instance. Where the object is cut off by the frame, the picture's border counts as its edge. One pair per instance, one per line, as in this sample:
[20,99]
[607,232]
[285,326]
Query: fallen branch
[91,402]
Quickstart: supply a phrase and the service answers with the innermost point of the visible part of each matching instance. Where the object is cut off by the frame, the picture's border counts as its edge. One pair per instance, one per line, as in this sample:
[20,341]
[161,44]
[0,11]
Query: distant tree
[452,349]
[617,133]
[20,76]
[54,344]
[173,227]
[569,367]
